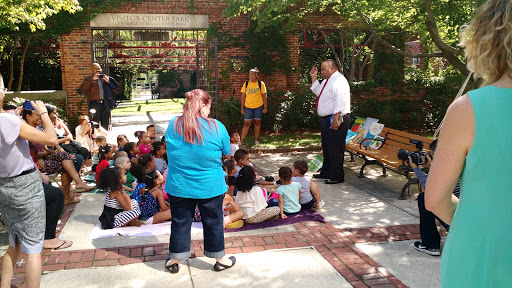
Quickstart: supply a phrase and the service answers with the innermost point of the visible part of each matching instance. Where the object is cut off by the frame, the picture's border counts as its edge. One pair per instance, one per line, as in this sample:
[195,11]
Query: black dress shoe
[319,176]
[332,181]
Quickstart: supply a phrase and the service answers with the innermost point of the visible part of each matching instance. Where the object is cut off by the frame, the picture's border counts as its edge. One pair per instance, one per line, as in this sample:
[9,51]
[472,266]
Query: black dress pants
[428,229]
[54,205]
[102,115]
[333,146]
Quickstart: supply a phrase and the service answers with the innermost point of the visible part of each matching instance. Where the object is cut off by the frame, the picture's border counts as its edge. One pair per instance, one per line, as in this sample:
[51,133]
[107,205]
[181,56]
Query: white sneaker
[321,204]
[256,142]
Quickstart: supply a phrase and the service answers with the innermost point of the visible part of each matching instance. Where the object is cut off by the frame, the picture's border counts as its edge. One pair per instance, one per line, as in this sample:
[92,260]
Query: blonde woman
[195,147]
[476,252]
[22,201]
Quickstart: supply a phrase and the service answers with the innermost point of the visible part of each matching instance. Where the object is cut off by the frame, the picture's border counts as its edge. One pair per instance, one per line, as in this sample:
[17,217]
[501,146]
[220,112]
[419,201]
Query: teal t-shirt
[195,171]
[290,194]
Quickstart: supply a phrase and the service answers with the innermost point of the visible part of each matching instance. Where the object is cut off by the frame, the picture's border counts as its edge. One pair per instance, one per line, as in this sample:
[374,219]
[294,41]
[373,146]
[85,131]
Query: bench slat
[410,136]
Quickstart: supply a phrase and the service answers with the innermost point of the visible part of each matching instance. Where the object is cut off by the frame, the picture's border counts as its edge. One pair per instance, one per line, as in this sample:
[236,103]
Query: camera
[417,157]
[95,124]
[101,76]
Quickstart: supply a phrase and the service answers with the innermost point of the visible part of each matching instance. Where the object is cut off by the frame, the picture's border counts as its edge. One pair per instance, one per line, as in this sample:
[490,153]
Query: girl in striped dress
[119,210]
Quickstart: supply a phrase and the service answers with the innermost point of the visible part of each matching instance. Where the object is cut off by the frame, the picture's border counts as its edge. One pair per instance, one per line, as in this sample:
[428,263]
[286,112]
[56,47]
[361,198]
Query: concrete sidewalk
[367,241]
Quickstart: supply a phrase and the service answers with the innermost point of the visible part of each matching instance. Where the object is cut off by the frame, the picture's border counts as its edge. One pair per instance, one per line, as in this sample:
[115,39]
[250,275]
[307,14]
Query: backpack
[247,83]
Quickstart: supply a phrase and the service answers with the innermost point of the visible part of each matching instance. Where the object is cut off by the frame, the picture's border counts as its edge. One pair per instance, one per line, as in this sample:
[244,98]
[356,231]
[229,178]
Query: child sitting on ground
[251,200]
[99,141]
[151,130]
[106,153]
[122,162]
[158,153]
[234,139]
[144,143]
[145,165]
[242,160]
[309,191]
[231,180]
[153,208]
[118,210]
[289,193]
[132,149]
[232,214]
[121,141]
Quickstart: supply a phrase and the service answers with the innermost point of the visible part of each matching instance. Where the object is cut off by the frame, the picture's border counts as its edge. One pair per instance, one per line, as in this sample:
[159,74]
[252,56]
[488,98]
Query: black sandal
[221,267]
[173,268]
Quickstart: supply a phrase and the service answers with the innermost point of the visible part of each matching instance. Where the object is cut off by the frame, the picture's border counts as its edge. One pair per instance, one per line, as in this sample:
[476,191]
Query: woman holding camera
[476,252]
[22,199]
[84,132]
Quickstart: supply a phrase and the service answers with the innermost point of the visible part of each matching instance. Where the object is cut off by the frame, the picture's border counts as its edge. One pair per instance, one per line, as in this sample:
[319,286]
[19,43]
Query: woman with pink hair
[195,146]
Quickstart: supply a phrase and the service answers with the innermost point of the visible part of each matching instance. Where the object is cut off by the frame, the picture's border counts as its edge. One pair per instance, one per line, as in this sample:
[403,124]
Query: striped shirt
[112,203]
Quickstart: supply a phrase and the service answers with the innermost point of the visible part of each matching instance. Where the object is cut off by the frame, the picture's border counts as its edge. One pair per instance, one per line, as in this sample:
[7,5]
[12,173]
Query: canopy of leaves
[32,12]
[410,17]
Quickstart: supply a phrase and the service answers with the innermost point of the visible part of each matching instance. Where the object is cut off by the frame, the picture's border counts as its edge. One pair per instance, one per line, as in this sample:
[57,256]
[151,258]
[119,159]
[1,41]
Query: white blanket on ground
[144,230]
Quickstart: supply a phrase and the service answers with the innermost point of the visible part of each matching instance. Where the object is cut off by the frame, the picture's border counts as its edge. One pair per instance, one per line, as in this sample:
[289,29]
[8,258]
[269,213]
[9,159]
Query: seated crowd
[133,176]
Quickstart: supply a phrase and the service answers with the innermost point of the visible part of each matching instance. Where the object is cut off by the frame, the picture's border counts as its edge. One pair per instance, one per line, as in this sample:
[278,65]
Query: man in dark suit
[99,95]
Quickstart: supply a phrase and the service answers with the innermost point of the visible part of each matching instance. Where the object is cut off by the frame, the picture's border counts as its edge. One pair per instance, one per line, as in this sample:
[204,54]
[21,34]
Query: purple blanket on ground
[303,215]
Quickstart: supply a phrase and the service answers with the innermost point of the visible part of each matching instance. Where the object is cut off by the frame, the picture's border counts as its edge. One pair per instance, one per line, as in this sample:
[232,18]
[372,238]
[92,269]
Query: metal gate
[100,53]
[207,71]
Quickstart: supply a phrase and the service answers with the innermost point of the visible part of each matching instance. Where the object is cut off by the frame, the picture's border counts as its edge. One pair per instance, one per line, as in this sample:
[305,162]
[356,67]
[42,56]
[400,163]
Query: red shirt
[103,164]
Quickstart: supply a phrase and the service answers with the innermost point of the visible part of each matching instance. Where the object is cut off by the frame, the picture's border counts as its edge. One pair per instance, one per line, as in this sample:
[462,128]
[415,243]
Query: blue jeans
[77,162]
[182,211]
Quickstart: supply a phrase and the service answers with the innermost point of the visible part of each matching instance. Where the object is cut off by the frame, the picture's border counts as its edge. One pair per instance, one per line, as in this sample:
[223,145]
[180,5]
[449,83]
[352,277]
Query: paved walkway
[366,242]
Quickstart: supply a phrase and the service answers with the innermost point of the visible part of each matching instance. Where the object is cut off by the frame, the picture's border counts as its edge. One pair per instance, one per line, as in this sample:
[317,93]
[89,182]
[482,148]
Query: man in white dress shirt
[333,106]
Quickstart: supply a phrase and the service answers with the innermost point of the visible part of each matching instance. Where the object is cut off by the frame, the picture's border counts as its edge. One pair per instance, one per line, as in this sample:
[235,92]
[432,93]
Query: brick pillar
[76,60]
[293,44]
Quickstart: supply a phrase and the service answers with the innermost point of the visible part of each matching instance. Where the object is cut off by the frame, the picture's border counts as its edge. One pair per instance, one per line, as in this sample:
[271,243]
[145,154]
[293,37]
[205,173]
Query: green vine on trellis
[267,48]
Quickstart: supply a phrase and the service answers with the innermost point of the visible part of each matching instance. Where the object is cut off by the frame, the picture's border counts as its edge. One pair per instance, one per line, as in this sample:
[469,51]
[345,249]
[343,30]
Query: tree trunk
[352,61]
[333,50]
[11,63]
[365,62]
[22,62]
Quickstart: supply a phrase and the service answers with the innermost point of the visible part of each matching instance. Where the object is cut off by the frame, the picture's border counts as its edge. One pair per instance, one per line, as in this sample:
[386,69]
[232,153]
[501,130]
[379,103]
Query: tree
[32,12]
[436,24]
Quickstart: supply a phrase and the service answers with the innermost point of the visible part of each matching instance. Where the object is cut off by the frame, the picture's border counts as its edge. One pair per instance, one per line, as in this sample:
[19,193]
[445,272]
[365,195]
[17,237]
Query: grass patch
[153,106]
[286,140]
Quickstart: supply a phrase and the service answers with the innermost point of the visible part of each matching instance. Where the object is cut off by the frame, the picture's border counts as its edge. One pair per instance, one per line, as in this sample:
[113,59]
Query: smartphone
[28,106]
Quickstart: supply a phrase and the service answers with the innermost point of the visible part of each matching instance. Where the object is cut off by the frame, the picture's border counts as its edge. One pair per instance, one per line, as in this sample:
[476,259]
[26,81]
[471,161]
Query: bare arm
[160,197]
[280,204]
[242,109]
[229,200]
[46,137]
[231,190]
[264,97]
[455,142]
[68,133]
[123,200]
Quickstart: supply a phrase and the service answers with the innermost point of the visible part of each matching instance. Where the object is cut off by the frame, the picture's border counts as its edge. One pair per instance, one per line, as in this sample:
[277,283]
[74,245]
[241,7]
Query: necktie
[100,87]
[318,99]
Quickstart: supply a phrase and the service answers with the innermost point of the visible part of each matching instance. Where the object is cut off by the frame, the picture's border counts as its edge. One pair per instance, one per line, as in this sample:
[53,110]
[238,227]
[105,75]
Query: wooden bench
[386,156]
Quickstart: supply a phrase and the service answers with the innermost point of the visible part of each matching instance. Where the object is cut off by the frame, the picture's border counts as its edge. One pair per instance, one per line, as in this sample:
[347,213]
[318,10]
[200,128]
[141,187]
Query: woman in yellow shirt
[254,104]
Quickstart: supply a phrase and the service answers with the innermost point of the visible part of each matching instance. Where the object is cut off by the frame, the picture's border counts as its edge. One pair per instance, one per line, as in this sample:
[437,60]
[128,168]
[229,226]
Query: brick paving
[337,246]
